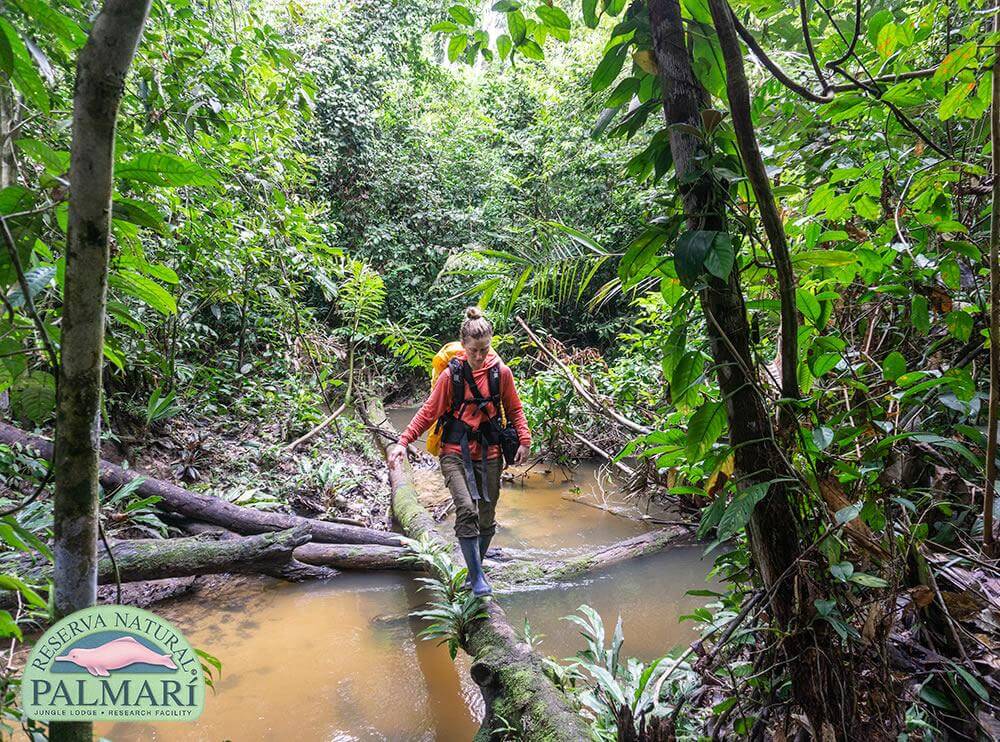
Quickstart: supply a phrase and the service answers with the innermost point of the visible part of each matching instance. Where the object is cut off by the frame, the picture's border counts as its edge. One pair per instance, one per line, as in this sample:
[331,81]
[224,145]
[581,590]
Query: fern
[410,344]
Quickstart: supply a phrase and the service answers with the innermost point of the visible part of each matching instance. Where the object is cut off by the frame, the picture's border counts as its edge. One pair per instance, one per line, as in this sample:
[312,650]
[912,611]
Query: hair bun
[473,312]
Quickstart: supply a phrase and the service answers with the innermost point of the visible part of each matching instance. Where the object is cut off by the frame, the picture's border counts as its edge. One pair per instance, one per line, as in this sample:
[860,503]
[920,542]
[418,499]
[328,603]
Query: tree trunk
[509,674]
[753,164]
[139,560]
[100,81]
[773,530]
[206,508]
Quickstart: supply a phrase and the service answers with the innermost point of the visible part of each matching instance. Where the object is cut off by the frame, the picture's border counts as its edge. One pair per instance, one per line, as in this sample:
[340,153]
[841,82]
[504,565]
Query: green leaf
[866,580]
[14,199]
[462,15]
[506,6]
[704,429]
[638,260]
[58,24]
[552,16]
[721,256]
[684,381]
[978,688]
[531,49]
[689,257]
[8,627]
[822,436]
[959,325]
[448,27]
[738,513]
[809,306]
[516,27]
[609,68]
[145,290]
[955,98]
[37,278]
[825,258]
[456,45]
[886,41]
[6,56]
[590,18]
[957,60]
[842,571]
[920,316]
[138,212]
[848,513]
[55,162]
[24,76]
[35,396]
[893,366]
[11,582]
[504,45]
[163,169]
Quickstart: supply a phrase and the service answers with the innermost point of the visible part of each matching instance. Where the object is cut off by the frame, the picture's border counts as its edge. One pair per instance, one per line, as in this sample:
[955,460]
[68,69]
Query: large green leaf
[608,69]
[164,169]
[37,279]
[552,16]
[58,24]
[55,162]
[684,381]
[704,429]
[689,257]
[25,76]
[146,290]
[738,512]
[34,396]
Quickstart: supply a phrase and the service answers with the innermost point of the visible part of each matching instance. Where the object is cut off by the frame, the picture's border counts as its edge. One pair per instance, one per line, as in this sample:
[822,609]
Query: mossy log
[141,560]
[338,556]
[509,674]
[245,521]
[524,571]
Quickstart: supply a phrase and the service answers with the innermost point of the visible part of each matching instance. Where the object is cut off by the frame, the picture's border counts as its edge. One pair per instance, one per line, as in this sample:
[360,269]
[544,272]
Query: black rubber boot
[484,546]
[470,550]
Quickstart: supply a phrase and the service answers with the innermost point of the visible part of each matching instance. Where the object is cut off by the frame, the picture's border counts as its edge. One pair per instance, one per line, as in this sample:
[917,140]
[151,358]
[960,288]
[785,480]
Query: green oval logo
[113,662]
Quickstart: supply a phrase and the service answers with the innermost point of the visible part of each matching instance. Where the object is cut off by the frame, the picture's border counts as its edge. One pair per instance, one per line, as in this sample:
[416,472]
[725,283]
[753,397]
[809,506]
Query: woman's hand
[396,454]
[521,457]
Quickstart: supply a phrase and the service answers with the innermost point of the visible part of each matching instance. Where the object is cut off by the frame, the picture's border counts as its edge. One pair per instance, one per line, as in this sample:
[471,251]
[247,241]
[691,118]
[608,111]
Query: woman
[472,477]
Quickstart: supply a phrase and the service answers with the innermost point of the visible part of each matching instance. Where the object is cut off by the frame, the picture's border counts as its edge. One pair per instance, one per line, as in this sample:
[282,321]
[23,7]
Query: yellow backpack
[438,365]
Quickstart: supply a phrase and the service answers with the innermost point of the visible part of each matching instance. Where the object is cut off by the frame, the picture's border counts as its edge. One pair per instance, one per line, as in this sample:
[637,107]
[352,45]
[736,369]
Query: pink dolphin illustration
[115,655]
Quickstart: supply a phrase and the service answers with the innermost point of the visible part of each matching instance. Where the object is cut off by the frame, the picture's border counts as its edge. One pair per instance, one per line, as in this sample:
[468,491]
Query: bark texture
[245,521]
[272,554]
[738,92]
[100,80]
[817,686]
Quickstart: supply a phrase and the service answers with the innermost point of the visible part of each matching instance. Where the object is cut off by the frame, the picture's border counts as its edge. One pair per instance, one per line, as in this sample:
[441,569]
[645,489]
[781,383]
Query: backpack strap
[494,380]
[456,365]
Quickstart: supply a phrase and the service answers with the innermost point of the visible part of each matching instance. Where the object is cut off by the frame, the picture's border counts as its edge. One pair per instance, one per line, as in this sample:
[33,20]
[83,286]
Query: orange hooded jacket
[440,402]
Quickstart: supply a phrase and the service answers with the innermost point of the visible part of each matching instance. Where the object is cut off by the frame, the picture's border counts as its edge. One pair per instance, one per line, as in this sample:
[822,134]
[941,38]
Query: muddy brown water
[309,662]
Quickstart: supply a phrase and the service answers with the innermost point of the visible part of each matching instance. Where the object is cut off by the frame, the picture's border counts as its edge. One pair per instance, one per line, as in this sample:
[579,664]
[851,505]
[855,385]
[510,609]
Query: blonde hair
[475,325]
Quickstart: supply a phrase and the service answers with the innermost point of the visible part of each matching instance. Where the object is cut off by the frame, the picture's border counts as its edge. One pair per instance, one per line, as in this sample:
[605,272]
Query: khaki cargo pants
[473,517]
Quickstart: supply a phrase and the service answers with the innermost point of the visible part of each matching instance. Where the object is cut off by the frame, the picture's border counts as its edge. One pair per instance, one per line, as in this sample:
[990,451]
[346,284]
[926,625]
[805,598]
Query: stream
[313,660]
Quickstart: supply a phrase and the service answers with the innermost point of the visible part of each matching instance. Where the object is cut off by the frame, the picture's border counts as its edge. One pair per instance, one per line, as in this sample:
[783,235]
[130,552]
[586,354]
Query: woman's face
[476,350]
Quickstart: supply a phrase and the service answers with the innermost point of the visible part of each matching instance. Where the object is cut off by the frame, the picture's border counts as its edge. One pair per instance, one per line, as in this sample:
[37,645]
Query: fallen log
[245,521]
[142,560]
[338,556]
[510,676]
[522,571]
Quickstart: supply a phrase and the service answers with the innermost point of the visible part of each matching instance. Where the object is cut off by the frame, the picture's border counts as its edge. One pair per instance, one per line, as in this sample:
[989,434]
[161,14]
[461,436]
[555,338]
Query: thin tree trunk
[773,531]
[753,164]
[100,81]
[989,545]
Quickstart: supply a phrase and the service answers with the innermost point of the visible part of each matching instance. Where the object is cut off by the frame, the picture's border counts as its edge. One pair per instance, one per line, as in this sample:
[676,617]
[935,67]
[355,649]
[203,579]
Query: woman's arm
[436,405]
[513,407]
